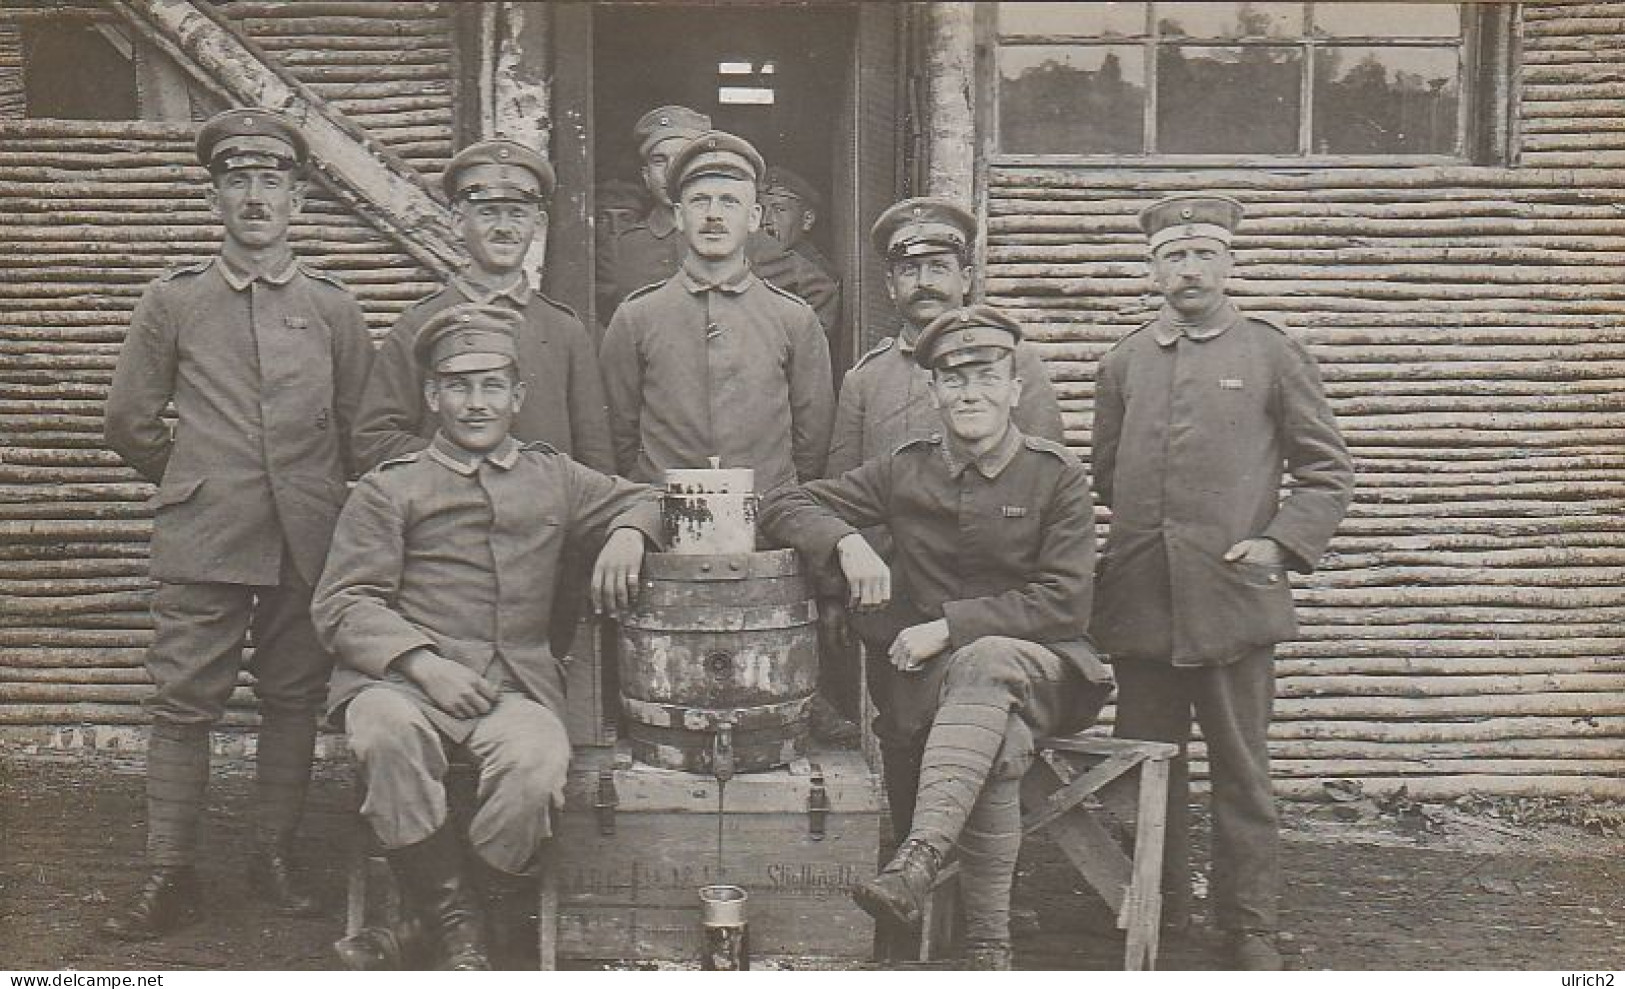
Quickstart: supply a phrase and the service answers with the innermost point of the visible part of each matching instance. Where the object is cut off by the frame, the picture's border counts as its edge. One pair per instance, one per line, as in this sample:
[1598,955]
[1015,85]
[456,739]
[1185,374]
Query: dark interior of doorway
[649,55]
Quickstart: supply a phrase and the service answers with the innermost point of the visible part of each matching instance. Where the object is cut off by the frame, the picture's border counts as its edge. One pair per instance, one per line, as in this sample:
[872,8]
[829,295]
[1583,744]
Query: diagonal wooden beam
[362,173]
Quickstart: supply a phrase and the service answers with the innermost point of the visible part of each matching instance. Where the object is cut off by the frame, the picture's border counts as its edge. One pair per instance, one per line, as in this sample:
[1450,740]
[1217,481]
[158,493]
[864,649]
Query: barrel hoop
[757,618]
[710,719]
[721,567]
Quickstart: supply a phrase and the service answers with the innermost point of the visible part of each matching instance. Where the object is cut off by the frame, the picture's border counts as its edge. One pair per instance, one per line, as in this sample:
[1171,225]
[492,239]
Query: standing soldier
[995,567]
[886,401]
[1196,413]
[264,359]
[716,362]
[438,598]
[649,251]
[790,210]
[498,189]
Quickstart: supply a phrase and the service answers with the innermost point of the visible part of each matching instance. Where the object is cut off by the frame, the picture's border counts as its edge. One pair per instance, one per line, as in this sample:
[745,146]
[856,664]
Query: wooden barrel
[719,650]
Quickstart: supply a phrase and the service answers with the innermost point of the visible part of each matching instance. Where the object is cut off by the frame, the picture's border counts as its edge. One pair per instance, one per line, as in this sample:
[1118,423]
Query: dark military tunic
[1192,430]
[886,401]
[1004,546]
[737,370]
[643,254]
[265,371]
[564,395]
[459,554]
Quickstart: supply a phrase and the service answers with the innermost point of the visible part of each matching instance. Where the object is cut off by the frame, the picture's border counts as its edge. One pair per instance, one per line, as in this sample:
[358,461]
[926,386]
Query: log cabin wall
[92,211]
[1465,633]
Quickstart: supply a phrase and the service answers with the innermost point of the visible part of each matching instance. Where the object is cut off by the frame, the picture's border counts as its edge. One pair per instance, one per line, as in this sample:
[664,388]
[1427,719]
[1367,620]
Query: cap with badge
[667,122]
[966,335]
[498,170]
[923,225]
[713,153]
[250,137]
[467,337]
[783,181]
[1190,217]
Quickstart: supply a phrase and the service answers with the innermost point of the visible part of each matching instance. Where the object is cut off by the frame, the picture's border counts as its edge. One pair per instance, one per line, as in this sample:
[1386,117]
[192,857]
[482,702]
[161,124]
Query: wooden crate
[634,893]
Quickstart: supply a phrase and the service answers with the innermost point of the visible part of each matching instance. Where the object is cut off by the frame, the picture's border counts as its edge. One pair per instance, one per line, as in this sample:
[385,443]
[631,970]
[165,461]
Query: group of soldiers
[507,464]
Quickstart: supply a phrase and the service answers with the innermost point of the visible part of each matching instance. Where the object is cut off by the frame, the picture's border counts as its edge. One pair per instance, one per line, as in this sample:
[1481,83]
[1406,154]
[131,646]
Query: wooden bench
[1077,788]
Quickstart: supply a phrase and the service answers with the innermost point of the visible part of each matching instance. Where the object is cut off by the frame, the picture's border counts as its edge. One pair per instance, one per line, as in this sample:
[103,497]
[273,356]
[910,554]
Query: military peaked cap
[668,121]
[250,137]
[498,169]
[783,180]
[923,225]
[713,153]
[965,335]
[1189,218]
[468,337]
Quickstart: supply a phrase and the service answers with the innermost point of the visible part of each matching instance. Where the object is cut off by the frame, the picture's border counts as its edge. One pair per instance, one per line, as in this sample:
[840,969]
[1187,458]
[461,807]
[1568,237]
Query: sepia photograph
[801,485]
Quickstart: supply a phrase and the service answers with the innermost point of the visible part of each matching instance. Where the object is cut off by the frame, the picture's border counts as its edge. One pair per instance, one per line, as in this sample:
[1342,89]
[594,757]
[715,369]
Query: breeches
[1233,704]
[197,650]
[523,754]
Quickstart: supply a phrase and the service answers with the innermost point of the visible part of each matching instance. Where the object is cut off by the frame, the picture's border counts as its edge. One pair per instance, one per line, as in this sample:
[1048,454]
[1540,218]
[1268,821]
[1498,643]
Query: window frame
[1483,124]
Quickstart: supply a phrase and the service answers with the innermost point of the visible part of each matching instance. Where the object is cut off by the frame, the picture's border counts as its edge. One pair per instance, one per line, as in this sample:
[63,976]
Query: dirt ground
[1369,886]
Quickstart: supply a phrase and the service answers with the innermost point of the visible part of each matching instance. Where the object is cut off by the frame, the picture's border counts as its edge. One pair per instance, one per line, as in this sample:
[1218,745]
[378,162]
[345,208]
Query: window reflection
[1385,101]
[1098,19]
[1230,20]
[1387,20]
[1055,99]
[1228,100]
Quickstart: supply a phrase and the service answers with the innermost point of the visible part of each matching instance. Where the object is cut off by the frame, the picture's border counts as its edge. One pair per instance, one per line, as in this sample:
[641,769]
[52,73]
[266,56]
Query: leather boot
[898,893]
[511,907]
[168,902]
[271,878]
[434,886]
[987,956]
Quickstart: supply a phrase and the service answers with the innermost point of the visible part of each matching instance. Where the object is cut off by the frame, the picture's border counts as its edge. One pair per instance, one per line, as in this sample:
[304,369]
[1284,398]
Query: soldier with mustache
[499,190]
[715,361]
[263,358]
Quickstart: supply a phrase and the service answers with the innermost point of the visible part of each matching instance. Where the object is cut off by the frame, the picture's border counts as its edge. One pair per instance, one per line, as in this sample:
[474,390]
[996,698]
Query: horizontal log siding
[1467,630]
[93,212]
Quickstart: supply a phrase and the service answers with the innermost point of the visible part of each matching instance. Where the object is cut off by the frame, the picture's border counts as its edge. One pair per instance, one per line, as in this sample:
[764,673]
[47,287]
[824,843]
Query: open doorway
[798,82]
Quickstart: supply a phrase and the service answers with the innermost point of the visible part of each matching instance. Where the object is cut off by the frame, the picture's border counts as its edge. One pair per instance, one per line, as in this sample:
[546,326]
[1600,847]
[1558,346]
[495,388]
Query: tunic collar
[990,464]
[733,283]
[1169,325]
[240,273]
[465,462]
[908,336]
[517,290]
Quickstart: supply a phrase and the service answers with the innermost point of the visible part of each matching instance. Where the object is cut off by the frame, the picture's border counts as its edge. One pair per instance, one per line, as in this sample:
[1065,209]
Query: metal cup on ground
[727,935]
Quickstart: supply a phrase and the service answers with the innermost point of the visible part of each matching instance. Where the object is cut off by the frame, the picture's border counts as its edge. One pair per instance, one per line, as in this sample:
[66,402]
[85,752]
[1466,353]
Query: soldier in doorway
[886,401]
[499,190]
[715,362]
[1196,414]
[985,609]
[651,251]
[437,599]
[790,209]
[263,358]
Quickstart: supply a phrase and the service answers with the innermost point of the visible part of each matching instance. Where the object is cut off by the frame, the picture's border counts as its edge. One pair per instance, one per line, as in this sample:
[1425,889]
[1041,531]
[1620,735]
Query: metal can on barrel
[710,512]
[719,661]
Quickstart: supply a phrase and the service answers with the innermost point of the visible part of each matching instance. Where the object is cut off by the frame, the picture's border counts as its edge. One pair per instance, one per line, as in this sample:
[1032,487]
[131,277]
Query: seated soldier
[436,600]
[994,545]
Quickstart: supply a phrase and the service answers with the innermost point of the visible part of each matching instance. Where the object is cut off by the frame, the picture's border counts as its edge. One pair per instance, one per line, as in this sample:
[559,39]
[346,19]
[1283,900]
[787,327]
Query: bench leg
[547,913]
[1144,901]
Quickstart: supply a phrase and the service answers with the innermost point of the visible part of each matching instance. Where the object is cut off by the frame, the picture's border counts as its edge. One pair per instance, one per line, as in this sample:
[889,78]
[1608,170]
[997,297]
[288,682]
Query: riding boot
[177,779]
[287,743]
[433,882]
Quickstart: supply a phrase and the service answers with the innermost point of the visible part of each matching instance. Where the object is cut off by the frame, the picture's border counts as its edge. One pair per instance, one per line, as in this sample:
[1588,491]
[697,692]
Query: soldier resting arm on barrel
[435,553]
[994,550]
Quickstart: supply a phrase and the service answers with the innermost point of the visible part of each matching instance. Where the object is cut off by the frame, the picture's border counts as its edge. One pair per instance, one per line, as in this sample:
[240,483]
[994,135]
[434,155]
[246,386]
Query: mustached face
[256,205]
[927,286]
[475,408]
[786,218]
[497,233]
[1191,274]
[716,214]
